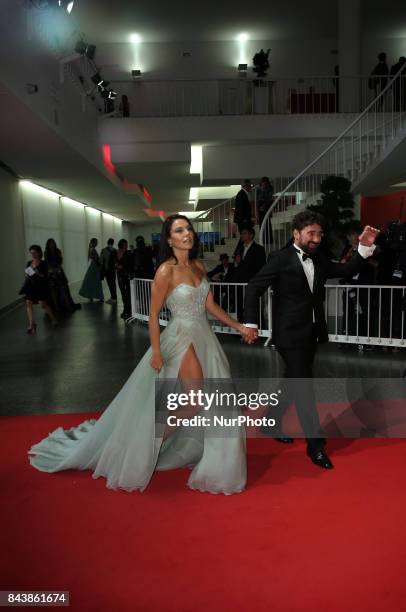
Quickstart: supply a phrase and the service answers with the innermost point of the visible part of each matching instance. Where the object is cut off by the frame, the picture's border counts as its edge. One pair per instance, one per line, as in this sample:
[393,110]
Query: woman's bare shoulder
[164,271]
[200,265]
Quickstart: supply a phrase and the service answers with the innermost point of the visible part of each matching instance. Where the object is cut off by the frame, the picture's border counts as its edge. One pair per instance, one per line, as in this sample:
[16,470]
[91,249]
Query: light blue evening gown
[123,444]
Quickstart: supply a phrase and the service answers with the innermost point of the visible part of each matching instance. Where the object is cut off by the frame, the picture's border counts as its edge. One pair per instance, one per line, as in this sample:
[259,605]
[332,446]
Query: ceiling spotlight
[66,4]
[136,74]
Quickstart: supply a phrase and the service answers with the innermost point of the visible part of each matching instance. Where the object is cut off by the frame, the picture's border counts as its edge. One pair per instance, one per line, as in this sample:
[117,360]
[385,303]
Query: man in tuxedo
[249,258]
[297,275]
[243,214]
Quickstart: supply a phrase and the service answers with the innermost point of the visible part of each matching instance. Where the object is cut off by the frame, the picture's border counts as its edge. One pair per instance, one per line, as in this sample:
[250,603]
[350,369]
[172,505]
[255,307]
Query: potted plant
[261,87]
[337,209]
[261,66]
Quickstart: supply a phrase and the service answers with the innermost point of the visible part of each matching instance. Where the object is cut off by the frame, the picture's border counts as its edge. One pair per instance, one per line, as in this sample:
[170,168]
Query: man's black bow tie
[305,255]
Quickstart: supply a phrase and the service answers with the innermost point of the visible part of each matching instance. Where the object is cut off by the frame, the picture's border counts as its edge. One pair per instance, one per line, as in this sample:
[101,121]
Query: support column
[349,54]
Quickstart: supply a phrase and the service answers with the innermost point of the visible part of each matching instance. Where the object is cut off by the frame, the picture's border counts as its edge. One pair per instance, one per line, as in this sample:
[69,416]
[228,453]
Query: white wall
[70,223]
[12,244]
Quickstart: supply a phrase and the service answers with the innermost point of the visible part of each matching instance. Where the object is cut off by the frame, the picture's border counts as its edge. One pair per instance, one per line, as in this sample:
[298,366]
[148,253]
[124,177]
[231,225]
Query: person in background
[92,285]
[249,258]
[243,215]
[356,310]
[124,107]
[61,298]
[108,269]
[124,269]
[143,265]
[399,85]
[36,288]
[379,75]
[223,273]
[264,199]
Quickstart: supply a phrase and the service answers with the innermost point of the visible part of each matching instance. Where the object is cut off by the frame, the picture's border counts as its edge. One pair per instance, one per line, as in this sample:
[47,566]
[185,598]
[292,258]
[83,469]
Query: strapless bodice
[187,301]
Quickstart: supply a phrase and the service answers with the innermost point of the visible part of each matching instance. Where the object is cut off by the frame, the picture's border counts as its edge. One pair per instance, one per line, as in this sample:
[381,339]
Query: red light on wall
[108,164]
[146,193]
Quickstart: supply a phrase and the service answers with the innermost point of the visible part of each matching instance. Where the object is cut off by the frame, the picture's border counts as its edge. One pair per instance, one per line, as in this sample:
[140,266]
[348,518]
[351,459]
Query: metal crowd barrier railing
[365,315]
[230,296]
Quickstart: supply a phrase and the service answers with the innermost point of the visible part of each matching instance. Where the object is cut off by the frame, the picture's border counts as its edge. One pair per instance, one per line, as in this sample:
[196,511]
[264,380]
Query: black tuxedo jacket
[242,212]
[293,301]
[251,264]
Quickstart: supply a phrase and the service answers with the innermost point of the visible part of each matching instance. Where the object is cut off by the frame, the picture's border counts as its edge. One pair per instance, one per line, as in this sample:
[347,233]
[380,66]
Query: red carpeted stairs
[299,538]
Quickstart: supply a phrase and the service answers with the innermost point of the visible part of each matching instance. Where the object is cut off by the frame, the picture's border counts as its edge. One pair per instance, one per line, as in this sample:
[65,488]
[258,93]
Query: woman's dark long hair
[92,245]
[165,251]
[52,254]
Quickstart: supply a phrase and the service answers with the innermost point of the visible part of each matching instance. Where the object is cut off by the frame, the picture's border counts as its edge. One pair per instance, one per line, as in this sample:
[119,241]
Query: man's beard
[310,251]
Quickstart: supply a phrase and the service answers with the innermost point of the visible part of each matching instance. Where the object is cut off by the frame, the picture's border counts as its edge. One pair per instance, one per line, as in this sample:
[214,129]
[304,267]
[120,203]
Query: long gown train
[123,444]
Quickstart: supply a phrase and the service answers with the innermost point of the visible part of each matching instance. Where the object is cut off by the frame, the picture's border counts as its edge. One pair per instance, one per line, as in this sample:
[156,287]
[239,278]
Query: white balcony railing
[240,96]
[351,155]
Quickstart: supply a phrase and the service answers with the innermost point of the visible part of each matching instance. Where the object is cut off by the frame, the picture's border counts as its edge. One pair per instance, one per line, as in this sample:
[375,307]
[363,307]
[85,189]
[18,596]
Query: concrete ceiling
[105,21]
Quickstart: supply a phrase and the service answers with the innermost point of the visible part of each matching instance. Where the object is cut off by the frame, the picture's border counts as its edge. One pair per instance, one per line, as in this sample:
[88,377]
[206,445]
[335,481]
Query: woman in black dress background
[61,298]
[36,288]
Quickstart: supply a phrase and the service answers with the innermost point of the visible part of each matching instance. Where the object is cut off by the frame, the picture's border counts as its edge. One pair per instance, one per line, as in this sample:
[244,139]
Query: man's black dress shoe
[284,440]
[320,458]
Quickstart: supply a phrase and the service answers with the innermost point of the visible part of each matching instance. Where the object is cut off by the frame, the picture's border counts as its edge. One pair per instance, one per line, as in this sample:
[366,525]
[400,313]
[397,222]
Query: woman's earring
[170,244]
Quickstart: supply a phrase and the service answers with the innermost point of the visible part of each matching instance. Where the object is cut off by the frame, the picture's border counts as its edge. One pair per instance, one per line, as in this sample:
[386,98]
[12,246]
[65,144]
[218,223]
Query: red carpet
[299,538]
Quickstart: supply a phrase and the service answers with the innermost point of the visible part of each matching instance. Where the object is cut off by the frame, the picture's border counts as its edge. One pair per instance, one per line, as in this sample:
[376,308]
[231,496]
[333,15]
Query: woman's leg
[191,378]
[28,305]
[48,310]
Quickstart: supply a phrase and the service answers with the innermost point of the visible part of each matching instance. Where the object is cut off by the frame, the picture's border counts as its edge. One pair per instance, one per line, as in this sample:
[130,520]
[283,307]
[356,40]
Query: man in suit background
[243,215]
[297,275]
[249,258]
[223,273]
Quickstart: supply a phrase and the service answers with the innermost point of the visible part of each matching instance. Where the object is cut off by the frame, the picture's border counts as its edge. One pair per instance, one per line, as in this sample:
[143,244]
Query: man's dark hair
[36,247]
[110,241]
[305,218]
[121,243]
[249,229]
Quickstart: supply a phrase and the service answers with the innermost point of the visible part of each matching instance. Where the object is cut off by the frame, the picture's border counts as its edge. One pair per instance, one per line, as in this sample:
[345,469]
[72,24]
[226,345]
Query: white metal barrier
[229,295]
[355,314]
[366,314]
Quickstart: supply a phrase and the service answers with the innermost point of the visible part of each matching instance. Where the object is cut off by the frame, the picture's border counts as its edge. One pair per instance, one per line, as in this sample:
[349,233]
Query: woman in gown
[125,445]
[92,285]
[36,287]
[61,297]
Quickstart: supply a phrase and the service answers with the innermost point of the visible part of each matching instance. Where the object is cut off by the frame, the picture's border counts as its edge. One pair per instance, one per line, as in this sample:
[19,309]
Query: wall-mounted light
[241,42]
[136,74]
[243,37]
[135,38]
